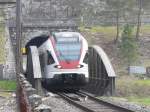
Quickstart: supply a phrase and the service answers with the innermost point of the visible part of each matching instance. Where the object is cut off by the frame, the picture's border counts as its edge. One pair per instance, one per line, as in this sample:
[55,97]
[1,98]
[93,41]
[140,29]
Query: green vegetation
[142,82]
[145,29]
[106,30]
[128,46]
[111,30]
[140,100]
[7,85]
[133,86]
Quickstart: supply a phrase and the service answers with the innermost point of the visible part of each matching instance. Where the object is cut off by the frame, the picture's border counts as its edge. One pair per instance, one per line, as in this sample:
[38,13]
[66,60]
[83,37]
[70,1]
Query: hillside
[104,37]
[132,87]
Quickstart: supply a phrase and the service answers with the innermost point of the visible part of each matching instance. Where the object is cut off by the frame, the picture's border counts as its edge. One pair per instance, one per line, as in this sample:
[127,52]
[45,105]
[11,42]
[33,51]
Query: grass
[145,29]
[7,85]
[110,31]
[133,86]
[135,99]
[142,82]
[140,100]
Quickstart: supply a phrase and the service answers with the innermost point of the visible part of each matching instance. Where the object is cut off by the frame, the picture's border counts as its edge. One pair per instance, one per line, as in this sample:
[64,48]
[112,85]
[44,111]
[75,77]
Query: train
[63,59]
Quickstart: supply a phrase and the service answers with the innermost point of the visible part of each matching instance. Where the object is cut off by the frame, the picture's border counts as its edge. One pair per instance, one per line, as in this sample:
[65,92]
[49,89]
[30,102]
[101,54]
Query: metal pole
[18,46]
[18,36]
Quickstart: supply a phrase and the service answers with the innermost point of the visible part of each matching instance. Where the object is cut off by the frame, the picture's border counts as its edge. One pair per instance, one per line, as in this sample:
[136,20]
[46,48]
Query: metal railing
[102,75]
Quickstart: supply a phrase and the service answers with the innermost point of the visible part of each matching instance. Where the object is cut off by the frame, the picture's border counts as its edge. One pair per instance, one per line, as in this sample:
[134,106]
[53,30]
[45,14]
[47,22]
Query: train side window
[50,59]
[86,58]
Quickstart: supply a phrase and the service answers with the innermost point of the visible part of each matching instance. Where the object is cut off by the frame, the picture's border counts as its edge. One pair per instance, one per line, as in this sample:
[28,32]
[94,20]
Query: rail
[91,104]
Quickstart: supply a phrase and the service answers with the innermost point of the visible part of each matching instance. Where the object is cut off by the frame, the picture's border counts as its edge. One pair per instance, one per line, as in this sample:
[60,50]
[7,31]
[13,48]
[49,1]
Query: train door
[48,61]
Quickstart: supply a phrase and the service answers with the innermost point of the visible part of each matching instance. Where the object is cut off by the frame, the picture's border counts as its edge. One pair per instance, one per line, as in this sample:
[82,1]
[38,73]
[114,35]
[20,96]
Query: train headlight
[79,66]
[58,66]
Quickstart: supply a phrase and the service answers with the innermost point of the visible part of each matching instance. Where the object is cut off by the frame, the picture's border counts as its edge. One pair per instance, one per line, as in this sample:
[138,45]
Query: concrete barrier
[34,75]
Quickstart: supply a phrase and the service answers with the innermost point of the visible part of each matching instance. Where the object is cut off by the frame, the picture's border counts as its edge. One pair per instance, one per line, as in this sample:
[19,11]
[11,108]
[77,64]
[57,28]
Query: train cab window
[86,58]
[50,59]
[66,38]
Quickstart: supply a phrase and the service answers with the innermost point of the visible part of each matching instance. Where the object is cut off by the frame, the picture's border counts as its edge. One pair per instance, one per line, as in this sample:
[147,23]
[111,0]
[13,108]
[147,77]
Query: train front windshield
[68,48]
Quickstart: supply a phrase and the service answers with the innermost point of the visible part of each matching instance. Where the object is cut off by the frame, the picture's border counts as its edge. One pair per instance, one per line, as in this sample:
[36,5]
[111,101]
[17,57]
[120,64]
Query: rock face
[9,67]
[49,9]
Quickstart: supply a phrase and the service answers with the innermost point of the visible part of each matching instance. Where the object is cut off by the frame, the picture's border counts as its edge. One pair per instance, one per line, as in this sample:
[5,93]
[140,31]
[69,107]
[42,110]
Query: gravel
[58,104]
[8,103]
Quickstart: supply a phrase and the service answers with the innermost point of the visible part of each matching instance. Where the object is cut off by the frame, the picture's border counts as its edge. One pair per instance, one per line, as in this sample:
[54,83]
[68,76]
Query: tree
[128,46]
[120,8]
[139,18]
[117,6]
[142,4]
[90,9]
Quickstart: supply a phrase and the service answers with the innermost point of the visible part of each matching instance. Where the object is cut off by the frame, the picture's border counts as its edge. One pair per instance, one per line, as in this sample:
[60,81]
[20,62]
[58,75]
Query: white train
[63,59]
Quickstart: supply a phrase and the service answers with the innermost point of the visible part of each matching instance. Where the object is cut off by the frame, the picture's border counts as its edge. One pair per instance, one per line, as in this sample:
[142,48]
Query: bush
[128,46]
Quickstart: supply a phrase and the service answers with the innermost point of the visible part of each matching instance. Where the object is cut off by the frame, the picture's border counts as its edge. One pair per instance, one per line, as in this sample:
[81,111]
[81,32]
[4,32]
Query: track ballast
[89,103]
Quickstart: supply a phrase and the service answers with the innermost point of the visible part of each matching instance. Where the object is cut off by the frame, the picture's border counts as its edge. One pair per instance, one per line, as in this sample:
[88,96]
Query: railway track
[89,103]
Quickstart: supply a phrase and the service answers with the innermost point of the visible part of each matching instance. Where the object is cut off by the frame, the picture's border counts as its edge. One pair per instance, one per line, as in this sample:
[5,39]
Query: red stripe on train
[69,64]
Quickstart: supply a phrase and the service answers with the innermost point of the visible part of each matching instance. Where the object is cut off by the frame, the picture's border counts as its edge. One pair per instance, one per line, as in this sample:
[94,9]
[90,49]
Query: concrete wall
[9,66]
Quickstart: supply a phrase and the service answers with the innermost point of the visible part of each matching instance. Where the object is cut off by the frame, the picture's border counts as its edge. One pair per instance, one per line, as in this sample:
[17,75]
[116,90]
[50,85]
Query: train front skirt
[65,81]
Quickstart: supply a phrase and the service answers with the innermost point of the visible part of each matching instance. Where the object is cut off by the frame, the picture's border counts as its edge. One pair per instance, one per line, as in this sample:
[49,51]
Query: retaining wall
[29,101]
